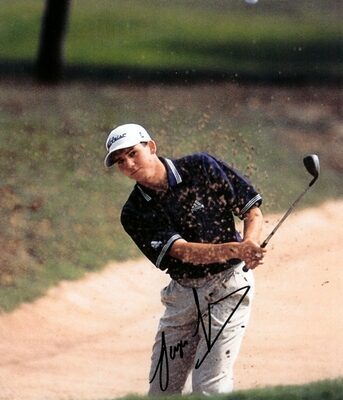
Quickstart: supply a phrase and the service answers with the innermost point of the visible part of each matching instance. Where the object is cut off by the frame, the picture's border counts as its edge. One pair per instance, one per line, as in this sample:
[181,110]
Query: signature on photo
[170,352]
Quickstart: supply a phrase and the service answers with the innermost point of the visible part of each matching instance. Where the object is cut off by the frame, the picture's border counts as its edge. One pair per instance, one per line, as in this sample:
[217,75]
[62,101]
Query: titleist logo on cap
[114,139]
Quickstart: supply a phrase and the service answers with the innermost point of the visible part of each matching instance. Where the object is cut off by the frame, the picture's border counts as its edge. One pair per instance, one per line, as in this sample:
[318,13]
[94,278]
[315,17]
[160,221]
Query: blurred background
[258,85]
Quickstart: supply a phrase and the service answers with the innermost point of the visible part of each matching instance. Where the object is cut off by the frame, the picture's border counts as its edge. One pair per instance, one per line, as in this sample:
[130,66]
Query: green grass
[322,390]
[59,207]
[263,40]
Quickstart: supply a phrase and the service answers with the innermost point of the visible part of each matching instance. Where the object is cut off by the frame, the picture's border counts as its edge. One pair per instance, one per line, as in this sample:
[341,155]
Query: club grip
[263,245]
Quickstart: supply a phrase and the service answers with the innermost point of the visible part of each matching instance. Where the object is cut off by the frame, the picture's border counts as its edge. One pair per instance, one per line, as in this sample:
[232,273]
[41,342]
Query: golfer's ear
[153,147]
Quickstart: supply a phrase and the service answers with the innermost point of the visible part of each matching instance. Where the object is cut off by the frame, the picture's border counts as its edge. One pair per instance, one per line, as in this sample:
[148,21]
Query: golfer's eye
[132,153]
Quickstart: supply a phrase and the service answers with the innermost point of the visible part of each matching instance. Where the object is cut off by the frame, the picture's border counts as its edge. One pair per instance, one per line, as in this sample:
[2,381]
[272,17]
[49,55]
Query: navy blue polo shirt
[203,197]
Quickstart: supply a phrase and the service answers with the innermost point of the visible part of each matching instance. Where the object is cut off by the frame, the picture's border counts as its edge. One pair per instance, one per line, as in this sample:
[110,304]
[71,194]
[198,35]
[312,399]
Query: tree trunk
[49,64]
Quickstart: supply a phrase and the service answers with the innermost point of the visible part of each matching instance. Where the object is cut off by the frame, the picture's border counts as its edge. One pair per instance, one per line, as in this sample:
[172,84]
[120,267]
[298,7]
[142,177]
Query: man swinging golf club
[181,216]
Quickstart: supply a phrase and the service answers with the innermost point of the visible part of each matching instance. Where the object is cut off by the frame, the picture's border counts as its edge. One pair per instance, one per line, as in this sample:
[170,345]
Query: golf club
[312,165]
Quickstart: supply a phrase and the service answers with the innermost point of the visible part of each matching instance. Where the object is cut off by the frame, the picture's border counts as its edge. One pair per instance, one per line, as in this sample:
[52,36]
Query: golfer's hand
[251,253]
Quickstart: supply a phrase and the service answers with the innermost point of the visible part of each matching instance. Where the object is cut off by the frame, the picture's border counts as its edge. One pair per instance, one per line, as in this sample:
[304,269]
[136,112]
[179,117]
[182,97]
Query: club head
[312,166]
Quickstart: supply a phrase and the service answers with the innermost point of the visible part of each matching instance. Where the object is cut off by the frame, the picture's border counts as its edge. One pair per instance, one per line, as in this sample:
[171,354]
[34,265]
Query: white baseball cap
[122,137]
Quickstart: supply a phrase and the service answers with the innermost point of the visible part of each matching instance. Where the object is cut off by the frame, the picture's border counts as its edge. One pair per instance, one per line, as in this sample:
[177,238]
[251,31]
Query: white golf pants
[201,332]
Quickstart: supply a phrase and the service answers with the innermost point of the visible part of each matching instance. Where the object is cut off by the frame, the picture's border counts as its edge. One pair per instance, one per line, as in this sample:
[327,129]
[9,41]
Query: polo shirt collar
[173,175]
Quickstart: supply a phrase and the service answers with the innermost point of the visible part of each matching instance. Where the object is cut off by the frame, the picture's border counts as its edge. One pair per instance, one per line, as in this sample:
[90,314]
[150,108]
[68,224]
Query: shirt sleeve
[238,192]
[152,233]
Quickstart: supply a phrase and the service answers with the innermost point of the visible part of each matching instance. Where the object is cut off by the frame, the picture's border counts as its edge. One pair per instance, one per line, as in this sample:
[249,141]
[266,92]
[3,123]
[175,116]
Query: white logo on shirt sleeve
[156,244]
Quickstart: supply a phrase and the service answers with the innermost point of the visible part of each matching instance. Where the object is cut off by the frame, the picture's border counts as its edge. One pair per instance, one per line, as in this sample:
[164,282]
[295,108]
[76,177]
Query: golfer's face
[135,162]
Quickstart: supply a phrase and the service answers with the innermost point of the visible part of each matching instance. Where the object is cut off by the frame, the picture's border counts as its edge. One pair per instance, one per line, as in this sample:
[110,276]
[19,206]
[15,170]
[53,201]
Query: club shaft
[312,166]
[291,208]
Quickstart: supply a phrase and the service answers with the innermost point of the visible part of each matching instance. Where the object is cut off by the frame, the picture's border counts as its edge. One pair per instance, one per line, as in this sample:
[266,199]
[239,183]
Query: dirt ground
[91,339]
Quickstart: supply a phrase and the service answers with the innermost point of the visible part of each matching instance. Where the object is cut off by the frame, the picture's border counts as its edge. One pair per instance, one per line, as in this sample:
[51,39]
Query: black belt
[204,271]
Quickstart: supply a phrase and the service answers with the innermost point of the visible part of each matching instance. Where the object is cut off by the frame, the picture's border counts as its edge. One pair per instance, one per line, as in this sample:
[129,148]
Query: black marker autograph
[207,333]
[163,361]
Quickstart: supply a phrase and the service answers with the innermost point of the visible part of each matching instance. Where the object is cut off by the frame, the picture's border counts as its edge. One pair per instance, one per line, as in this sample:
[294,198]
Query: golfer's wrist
[252,239]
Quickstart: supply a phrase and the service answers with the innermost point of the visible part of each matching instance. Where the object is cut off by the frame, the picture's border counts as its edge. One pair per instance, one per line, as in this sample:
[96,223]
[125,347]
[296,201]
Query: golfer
[181,214]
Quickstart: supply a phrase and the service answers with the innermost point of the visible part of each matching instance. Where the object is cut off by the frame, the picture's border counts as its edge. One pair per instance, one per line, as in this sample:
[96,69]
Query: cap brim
[109,159]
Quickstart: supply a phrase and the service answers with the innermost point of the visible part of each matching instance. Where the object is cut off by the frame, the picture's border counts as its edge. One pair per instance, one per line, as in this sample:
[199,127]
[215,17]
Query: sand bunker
[91,339]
